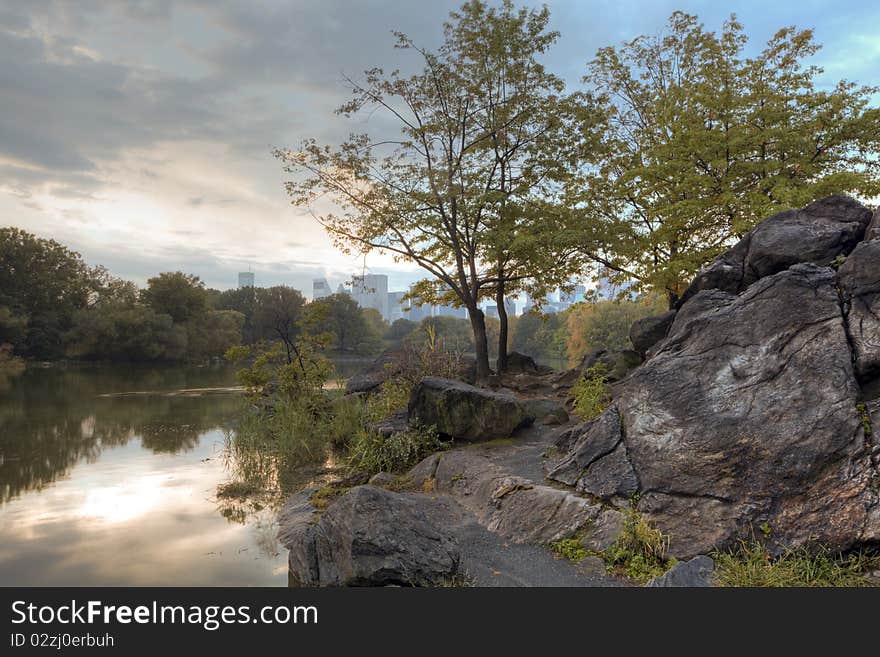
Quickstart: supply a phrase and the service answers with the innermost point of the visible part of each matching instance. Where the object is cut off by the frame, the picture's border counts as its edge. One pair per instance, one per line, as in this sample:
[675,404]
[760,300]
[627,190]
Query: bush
[591,394]
[749,564]
[370,452]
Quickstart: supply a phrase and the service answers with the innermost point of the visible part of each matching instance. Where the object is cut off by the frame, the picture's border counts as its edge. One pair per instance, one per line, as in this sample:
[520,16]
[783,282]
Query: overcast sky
[139,133]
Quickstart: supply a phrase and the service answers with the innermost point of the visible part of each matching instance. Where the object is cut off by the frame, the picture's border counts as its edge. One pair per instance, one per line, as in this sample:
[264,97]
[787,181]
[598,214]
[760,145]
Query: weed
[749,564]
[569,548]
[591,393]
[371,452]
[640,550]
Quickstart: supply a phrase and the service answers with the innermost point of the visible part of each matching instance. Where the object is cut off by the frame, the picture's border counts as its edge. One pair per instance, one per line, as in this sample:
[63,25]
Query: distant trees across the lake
[54,306]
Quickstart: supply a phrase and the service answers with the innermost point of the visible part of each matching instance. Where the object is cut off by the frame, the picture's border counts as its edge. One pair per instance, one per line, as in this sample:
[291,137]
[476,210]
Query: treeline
[53,305]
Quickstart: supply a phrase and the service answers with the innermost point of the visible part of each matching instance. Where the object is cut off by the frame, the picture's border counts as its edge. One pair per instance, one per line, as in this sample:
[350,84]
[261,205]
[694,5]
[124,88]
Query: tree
[182,296]
[242,300]
[541,336]
[395,334]
[42,284]
[277,313]
[436,195]
[340,316]
[702,143]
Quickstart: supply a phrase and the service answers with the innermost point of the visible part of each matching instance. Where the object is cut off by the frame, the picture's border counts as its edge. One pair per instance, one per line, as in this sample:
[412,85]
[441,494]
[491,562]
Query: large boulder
[817,234]
[464,412]
[647,332]
[748,413]
[368,537]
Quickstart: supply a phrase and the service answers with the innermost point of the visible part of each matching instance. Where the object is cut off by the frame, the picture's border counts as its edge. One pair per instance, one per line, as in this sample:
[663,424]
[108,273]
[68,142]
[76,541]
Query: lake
[108,476]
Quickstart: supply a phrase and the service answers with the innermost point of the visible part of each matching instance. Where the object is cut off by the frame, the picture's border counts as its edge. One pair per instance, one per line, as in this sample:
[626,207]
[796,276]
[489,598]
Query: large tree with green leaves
[42,285]
[702,142]
[481,126]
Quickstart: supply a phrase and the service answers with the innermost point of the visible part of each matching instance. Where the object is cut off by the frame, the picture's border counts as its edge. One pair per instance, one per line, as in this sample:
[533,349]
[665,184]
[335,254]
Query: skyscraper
[371,291]
[245,279]
[320,288]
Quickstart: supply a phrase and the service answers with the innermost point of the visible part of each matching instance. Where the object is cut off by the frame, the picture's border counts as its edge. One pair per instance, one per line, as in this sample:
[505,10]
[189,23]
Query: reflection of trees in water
[51,419]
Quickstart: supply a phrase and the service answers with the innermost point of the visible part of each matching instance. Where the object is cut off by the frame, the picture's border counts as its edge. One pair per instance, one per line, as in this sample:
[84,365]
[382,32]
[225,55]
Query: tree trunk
[501,363]
[481,344]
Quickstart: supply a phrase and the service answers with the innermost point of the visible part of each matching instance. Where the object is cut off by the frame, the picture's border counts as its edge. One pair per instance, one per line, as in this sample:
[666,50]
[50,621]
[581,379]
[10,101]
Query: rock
[518,363]
[545,410]
[381,479]
[463,412]
[616,364]
[815,234]
[372,537]
[859,282]
[697,572]
[647,332]
[596,460]
[390,425]
[745,415]
[375,374]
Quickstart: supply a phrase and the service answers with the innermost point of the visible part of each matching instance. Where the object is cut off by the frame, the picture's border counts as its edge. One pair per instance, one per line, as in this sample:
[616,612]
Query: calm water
[102,486]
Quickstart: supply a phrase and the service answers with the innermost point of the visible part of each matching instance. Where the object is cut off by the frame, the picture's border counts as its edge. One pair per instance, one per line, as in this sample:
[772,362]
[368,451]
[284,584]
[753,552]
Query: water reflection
[103,488]
[53,418]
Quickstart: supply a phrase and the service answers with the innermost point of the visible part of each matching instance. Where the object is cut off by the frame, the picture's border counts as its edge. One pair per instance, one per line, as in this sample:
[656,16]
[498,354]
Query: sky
[140,133]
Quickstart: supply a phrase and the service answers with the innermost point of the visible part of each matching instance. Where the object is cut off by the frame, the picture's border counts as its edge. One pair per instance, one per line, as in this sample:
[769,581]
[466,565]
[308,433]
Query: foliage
[606,324]
[702,142]
[42,284]
[591,394]
[349,327]
[399,330]
[371,453]
[640,550]
[442,332]
[569,548]
[181,296]
[749,564]
[543,336]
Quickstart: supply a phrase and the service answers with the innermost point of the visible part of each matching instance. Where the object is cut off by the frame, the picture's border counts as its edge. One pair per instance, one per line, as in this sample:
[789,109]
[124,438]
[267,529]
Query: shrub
[591,394]
[749,564]
[371,452]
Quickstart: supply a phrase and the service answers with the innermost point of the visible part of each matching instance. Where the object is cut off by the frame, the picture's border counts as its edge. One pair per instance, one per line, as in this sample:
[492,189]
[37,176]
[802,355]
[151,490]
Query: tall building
[320,288]
[343,290]
[245,279]
[371,291]
[395,307]
[578,294]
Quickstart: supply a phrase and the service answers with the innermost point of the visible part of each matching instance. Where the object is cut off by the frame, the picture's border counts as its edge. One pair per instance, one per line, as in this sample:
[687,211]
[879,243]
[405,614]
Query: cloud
[140,131]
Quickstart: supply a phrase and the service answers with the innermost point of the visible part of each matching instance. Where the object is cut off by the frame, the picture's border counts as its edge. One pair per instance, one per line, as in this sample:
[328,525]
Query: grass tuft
[749,564]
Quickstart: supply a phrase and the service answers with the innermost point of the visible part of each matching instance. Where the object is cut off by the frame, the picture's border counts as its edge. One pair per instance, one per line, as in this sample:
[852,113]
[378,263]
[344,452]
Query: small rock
[698,571]
[381,479]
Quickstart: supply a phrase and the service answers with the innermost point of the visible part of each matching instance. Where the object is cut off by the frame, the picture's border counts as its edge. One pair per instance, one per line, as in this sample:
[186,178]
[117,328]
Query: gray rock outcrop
[745,415]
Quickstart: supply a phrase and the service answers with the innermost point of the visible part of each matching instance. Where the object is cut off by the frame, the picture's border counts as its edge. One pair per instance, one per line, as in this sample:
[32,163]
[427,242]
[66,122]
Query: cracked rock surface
[745,413]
